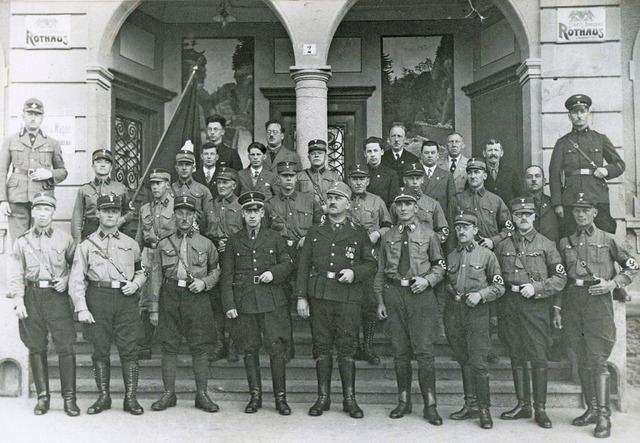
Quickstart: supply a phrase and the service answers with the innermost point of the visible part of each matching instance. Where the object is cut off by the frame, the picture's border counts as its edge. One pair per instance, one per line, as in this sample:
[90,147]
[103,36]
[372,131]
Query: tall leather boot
[523,393]
[40,371]
[404,373]
[348,377]
[169,369]
[102,375]
[201,374]
[324,367]
[427,380]
[254,379]
[219,349]
[67,364]
[481,382]
[588,392]
[278,376]
[368,332]
[130,374]
[603,423]
[145,344]
[232,354]
[539,376]
[470,408]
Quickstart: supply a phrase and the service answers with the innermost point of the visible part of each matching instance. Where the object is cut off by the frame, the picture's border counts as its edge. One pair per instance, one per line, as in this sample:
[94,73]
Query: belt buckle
[43,284]
[289,243]
[115,285]
[405,282]
[256,279]
[182,283]
[331,275]
[579,282]
[515,288]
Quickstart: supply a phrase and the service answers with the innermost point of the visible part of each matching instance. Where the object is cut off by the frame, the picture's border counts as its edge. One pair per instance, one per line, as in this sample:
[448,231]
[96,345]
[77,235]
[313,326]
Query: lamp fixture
[224,17]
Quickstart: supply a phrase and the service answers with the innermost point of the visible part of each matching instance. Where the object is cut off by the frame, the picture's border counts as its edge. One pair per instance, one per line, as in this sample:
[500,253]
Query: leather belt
[582,171]
[107,284]
[178,283]
[583,283]
[21,171]
[514,288]
[42,284]
[403,282]
[255,279]
[330,275]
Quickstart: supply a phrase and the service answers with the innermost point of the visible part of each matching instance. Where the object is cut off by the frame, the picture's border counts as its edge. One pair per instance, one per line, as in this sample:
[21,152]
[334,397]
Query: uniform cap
[42,198]
[476,163]
[465,218]
[317,145]
[185,156]
[252,200]
[412,170]
[523,204]
[578,100]
[159,174]
[582,201]
[288,168]
[184,201]
[109,202]
[102,153]
[340,188]
[407,195]
[33,105]
[226,173]
[358,170]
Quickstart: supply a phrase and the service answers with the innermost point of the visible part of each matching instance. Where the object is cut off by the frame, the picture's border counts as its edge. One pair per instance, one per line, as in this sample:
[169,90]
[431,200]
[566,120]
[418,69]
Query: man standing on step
[105,279]
[590,255]
[533,273]
[187,186]
[473,280]
[255,266]
[317,179]
[188,270]
[410,265]
[40,265]
[335,262]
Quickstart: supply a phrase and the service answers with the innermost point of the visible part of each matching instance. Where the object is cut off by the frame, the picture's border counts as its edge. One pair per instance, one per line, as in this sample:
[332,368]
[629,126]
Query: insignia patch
[350,252]
[442,263]
[445,231]
[509,224]
[374,253]
[560,269]
[497,279]
[631,264]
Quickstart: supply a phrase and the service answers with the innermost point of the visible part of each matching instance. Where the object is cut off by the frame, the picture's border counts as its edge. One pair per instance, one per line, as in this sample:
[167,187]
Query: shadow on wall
[10,378]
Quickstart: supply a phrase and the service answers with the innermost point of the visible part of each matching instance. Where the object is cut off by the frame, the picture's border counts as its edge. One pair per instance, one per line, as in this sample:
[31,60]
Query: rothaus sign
[47,32]
[577,25]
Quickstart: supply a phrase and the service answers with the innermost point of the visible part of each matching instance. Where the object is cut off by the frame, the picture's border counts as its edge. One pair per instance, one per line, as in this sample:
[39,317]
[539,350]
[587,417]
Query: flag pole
[164,134]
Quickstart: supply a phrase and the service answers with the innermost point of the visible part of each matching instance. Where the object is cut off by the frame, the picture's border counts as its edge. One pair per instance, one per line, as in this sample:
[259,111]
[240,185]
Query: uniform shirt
[369,211]
[565,159]
[157,220]
[87,199]
[264,182]
[245,259]
[494,219]
[293,215]
[47,255]
[89,264]
[534,259]
[202,261]
[331,249]
[18,150]
[383,182]
[431,214]
[204,200]
[226,217]
[600,251]
[425,256]
[473,268]
[317,182]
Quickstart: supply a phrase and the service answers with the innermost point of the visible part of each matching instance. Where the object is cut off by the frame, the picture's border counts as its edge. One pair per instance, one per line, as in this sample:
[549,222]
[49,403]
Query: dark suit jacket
[441,188]
[383,181]
[265,183]
[406,158]
[200,178]
[508,185]
[546,222]
[229,157]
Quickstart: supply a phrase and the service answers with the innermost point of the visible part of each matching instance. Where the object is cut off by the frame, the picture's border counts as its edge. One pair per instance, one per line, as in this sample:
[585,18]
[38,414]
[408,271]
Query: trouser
[334,323]
[273,329]
[467,331]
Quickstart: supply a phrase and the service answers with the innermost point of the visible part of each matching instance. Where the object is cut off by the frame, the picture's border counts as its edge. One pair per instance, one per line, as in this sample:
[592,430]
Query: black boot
[102,374]
[252,367]
[324,367]
[539,376]
[169,369]
[368,332]
[470,408]
[130,374]
[603,423]
[523,394]
[427,380]
[201,374]
[588,392]
[67,365]
[40,371]
[348,377]
[232,354]
[168,400]
[146,343]
[481,382]
[404,374]
[219,349]
[278,376]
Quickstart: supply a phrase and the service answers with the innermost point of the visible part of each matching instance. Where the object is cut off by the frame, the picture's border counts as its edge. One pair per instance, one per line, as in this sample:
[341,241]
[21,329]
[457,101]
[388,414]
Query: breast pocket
[267,256]
[420,250]
[477,274]
[199,256]
[536,264]
[169,257]
[57,257]
[45,154]
[599,253]
[18,156]
[392,250]
[305,219]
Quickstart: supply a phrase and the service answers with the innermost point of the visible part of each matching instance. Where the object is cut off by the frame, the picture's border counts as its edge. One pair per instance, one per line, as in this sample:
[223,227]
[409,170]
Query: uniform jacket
[370,212]
[157,220]
[390,161]
[323,179]
[494,219]
[264,183]
[474,269]
[440,187]
[508,184]
[292,216]
[245,259]
[226,217]
[384,182]
[460,174]
[17,150]
[326,250]
[431,214]
[204,200]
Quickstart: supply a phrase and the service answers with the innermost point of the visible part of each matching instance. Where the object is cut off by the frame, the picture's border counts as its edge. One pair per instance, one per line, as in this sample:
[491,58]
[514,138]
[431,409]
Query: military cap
[109,202]
[252,200]
[358,170]
[317,145]
[412,170]
[226,173]
[159,174]
[102,153]
[476,163]
[582,201]
[465,218]
[578,100]
[33,105]
[185,202]
[185,156]
[287,168]
[339,188]
[523,204]
[406,195]
[43,198]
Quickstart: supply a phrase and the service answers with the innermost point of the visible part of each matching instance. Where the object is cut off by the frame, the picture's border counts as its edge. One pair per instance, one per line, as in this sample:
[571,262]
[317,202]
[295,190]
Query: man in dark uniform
[502,180]
[105,278]
[188,271]
[533,273]
[40,265]
[185,185]
[257,177]
[255,267]
[84,220]
[577,165]
[37,166]
[215,133]
[383,181]
[474,280]
[317,179]
[336,259]
[590,255]
[410,265]
[397,157]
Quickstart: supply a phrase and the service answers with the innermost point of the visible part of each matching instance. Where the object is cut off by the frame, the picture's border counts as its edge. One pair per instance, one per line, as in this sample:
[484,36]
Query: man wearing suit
[215,133]
[256,177]
[502,180]
[277,152]
[397,157]
[209,157]
[546,222]
[383,181]
[455,162]
[438,183]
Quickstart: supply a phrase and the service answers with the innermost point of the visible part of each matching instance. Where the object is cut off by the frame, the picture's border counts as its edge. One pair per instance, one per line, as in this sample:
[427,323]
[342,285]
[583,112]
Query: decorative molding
[322,73]
[529,69]
[333,93]
[147,89]
[100,76]
[490,83]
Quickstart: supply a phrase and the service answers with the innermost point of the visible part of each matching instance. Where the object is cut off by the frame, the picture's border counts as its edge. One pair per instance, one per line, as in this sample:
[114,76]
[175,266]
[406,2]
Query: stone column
[311,106]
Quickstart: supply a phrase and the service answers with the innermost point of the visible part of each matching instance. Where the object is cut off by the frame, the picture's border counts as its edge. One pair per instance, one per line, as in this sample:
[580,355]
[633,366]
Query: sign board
[578,25]
[47,32]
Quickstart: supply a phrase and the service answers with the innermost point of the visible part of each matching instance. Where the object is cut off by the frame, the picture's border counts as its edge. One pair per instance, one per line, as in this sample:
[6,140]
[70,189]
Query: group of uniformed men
[378,247]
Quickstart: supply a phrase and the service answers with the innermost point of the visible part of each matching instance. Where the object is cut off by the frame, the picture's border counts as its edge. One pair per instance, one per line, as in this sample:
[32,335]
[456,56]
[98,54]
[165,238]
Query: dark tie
[272,154]
[403,264]
[254,179]
[453,165]
[182,272]
[253,234]
[207,175]
[397,156]
[32,138]
[429,173]
[494,174]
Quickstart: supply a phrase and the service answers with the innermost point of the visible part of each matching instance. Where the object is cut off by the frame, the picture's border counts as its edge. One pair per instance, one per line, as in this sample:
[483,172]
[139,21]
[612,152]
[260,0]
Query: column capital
[529,69]
[322,73]
[100,76]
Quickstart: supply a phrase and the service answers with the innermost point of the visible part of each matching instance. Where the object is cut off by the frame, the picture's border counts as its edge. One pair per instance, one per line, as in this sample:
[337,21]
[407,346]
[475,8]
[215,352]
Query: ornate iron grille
[128,152]
[336,149]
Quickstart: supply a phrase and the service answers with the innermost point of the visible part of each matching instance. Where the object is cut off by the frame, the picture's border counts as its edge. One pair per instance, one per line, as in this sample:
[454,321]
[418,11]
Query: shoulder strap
[37,256]
[175,248]
[583,263]
[316,187]
[581,152]
[104,255]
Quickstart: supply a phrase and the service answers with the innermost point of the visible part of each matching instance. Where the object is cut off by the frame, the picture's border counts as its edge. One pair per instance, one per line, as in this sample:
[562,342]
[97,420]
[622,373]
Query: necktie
[272,154]
[207,175]
[397,156]
[254,179]
[182,272]
[253,234]
[32,138]
[453,165]
[403,263]
[429,173]
[494,173]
